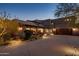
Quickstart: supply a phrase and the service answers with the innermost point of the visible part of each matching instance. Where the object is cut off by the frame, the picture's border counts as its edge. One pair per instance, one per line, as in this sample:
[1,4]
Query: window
[67,19]
[52,23]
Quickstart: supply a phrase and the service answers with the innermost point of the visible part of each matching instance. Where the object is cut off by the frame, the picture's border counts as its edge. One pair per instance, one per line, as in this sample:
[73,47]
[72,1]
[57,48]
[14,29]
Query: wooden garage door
[64,31]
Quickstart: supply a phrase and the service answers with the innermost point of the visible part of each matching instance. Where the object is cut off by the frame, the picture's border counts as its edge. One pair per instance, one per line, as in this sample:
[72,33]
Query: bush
[2,43]
[4,39]
[28,34]
[7,37]
[36,36]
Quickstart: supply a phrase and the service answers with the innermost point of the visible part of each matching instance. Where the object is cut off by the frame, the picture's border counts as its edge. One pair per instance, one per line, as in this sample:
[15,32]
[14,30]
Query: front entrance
[64,31]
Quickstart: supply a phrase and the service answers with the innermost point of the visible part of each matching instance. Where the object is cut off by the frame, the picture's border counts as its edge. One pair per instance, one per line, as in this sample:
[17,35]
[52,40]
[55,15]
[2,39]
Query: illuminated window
[33,29]
[20,29]
[67,19]
[54,29]
[27,28]
[40,29]
[46,30]
[75,29]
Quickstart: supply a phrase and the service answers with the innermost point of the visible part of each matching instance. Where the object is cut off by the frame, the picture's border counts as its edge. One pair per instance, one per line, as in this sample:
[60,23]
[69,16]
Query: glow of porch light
[54,29]
[20,29]
[40,29]
[74,29]
[33,29]
[27,28]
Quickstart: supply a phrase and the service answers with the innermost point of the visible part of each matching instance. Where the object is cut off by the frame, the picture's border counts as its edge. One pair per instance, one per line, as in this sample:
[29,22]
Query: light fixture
[54,29]
[20,29]
[74,29]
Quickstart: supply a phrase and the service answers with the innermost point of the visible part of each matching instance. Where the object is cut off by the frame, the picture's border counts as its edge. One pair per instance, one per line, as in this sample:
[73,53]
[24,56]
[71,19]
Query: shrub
[28,34]
[36,36]
[7,36]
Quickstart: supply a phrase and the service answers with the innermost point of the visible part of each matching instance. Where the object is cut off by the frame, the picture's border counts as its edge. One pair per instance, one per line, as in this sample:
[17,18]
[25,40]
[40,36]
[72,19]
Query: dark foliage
[28,34]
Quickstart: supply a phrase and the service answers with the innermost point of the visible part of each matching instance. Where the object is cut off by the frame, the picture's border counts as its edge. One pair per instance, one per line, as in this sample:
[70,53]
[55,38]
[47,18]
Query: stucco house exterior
[64,25]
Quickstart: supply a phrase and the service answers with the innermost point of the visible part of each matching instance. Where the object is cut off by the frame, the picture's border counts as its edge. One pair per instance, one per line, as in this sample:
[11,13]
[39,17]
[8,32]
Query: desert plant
[28,34]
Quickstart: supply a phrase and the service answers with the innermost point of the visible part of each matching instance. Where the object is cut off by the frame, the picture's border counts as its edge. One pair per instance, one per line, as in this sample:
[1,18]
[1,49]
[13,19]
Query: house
[28,25]
[65,22]
[64,25]
[47,25]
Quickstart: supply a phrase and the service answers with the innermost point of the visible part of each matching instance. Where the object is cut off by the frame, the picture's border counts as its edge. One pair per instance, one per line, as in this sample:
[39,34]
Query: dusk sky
[30,11]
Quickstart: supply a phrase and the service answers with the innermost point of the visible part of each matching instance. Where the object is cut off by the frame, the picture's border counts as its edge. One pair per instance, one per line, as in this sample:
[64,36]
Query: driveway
[54,45]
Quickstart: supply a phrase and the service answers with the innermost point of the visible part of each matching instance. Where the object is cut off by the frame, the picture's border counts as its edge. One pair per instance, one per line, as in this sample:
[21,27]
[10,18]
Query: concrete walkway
[55,45]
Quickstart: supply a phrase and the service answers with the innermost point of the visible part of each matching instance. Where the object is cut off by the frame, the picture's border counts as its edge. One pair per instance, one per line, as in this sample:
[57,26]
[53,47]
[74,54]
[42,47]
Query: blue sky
[30,11]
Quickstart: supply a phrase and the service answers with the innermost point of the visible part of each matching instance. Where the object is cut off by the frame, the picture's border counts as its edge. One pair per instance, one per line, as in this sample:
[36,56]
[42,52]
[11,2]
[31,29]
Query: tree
[2,27]
[4,14]
[67,9]
[7,28]
[7,25]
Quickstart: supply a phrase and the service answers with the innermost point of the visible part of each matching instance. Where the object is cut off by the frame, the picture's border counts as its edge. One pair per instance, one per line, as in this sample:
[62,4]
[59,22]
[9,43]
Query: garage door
[64,31]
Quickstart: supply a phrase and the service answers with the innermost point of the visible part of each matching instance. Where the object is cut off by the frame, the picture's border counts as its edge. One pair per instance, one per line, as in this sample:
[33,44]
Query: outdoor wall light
[74,29]
[20,29]
[46,30]
[33,29]
[54,29]
[41,30]
[27,28]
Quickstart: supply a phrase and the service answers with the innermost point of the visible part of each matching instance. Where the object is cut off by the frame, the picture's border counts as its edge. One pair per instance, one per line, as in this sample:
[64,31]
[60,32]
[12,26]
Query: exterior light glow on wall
[27,28]
[46,30]
[74,29]
[50,30]
[20,29]
[40,29]
[54,29]
[33,29]
[67,19]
